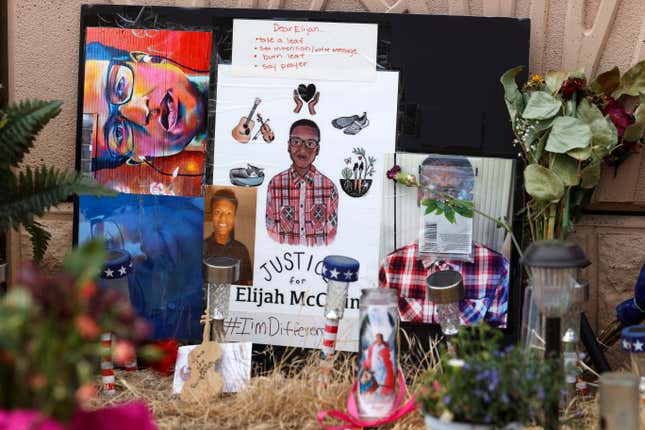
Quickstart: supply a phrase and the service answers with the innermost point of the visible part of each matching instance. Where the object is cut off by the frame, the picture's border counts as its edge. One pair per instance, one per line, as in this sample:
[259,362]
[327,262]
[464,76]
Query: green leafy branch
[29,192]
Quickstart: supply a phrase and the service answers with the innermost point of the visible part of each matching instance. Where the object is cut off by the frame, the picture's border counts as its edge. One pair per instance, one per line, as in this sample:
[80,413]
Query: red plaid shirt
[302,210]
[485,284]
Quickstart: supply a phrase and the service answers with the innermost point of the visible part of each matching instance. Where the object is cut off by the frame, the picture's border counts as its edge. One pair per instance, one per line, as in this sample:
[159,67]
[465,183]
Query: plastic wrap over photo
[161,236]
[145,98]
[450,217]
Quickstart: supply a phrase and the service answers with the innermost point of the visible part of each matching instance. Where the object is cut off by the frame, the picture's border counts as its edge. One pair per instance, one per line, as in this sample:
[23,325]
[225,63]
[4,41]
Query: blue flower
[446,399]
[494,380]
[540,393]
[504,398]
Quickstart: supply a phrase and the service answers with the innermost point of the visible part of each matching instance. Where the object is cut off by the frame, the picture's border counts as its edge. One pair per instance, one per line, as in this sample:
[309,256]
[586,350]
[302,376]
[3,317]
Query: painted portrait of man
[302,203]
[145,98]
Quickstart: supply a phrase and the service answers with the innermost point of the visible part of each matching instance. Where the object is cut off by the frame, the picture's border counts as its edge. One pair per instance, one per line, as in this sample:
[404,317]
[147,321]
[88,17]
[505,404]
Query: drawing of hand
[296,98]
[312,103]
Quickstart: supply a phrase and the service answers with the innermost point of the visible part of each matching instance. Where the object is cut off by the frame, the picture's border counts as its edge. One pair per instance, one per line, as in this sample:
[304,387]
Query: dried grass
[287,397]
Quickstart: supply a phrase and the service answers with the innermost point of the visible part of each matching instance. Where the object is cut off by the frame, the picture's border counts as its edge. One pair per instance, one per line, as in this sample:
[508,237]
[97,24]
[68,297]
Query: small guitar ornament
[204,383]
[242,131]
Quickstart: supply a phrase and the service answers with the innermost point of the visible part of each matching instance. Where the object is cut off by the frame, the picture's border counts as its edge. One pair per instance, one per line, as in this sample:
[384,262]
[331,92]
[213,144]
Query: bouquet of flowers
[50,328]
[486,385]
[565,128]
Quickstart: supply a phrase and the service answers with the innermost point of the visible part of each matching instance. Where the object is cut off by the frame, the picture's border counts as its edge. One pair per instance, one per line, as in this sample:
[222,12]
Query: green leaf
[450,214]
[568,133]
[39,239]
[604,134]
[464,208]
[541,105]
[635,131]
[32,192]
[632,82]
[580,154]
[554,79]
[590,175]
[608,81]
[567,170]
[512,95]
[430,205]
[542,184]
[87,260]
[24,121]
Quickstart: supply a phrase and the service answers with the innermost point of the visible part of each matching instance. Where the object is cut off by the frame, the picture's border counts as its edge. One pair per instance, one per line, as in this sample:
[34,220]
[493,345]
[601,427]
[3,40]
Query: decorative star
[333,273]
[638,345]
[122,270]
[325,270]
[109,272]
[349,274]
[626,344]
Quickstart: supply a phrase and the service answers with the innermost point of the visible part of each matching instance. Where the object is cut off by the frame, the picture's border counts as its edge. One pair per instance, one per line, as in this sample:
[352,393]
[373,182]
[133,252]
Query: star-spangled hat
[633,339]
[118,264]
[340,268]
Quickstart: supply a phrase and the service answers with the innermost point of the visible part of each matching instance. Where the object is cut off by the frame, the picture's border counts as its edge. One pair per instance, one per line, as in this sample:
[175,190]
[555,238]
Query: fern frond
[32,192]
[39,239]
[23,122]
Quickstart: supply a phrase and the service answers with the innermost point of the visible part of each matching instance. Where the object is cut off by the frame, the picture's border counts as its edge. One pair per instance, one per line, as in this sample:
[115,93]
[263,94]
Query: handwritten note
[304,49]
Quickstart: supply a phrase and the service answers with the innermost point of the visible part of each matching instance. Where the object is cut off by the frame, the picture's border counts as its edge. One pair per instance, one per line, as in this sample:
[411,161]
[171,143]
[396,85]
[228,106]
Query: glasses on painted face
[118,91]
[309,143]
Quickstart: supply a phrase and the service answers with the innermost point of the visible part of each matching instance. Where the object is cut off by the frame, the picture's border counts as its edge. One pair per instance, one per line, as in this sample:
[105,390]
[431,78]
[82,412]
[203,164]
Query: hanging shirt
[486,282]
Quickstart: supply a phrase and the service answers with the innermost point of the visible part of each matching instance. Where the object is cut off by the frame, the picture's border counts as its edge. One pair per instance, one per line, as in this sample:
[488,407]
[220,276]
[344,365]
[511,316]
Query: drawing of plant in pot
[357,173]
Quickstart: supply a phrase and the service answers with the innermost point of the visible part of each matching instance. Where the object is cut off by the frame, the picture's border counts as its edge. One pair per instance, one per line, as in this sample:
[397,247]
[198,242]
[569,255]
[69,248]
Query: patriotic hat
[118,264]
[339,268]
[633,339]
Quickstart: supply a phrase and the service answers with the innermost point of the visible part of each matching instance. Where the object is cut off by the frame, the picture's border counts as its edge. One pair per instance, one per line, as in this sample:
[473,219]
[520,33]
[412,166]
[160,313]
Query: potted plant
[485,386]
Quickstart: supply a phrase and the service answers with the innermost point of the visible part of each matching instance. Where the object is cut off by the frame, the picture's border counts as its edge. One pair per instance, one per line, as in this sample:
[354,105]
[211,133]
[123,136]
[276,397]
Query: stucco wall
[44,41]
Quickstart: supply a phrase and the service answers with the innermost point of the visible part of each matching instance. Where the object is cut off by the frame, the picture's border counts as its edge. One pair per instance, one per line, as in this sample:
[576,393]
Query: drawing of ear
[296,98]
[312,103]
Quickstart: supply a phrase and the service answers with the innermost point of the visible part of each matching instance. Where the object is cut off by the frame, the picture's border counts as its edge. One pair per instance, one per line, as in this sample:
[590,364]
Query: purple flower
[504,398]
[540,393]
[488,419]
[393,171]
[446,399]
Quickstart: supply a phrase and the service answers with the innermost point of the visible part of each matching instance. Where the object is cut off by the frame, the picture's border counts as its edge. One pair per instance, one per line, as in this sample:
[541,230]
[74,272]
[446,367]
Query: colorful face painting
[145,109]
[160,234]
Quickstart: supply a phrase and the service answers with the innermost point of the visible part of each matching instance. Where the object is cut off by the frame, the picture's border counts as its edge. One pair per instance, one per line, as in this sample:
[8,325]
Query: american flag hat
[340,268]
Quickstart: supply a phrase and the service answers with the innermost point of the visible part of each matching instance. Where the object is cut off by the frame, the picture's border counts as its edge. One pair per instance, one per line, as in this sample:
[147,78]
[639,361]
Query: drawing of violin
[265,129]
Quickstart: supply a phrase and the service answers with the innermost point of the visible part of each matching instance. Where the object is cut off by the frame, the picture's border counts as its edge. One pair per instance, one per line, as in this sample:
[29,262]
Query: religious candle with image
[378,359]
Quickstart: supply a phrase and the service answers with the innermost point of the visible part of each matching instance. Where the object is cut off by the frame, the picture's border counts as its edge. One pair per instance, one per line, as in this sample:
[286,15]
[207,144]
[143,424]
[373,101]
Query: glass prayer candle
[378,354]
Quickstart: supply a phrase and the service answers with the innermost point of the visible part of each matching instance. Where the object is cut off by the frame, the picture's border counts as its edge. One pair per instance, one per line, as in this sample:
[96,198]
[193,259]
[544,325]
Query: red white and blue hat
[633,339]
[118,264]
[340,268]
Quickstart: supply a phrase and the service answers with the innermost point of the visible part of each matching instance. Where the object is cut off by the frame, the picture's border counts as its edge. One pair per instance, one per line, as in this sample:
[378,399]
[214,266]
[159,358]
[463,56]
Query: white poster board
[357,122]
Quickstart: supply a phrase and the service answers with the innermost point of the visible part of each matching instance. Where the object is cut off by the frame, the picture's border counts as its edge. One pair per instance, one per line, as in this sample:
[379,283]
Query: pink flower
[391,174]
[85,392]
[618,116]
[87,327]
[27,419]
[436,385]
[570,86]
[123,352]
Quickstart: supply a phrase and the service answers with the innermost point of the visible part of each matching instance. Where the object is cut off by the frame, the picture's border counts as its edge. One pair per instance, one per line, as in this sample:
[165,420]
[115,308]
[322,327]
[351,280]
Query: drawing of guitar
[242,131]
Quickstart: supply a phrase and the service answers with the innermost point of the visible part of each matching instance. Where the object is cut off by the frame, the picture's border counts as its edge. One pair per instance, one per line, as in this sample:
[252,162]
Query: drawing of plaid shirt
[302,210]
[486,282]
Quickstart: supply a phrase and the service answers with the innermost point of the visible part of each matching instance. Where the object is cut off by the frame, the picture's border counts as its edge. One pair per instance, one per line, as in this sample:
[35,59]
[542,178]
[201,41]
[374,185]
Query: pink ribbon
[352,419]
